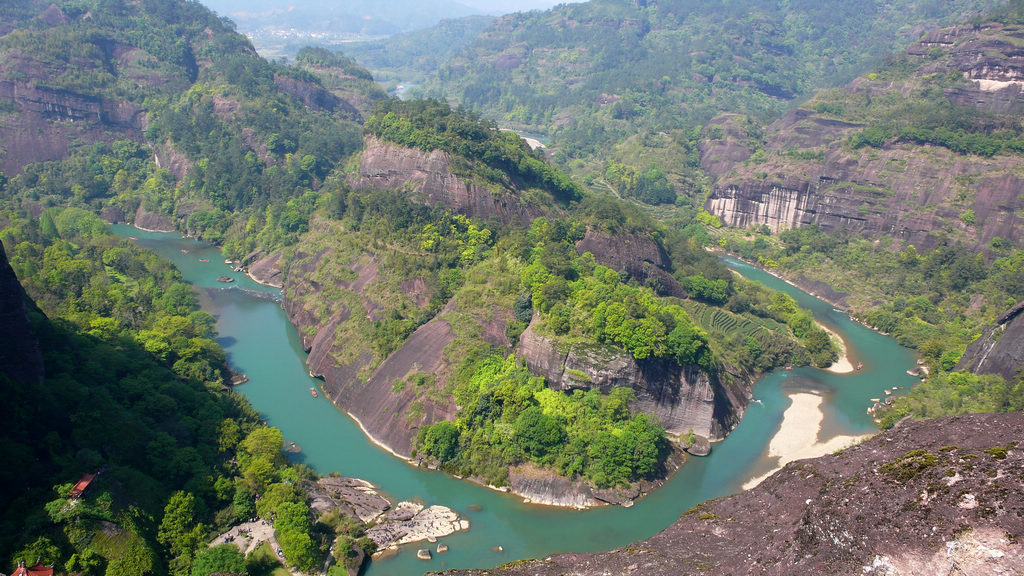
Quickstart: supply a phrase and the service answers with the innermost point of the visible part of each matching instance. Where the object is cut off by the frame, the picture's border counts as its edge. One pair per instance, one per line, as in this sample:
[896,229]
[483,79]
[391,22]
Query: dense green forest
[135,381]
[135,390]
[509,416]
[411,58]
[252,143]
[619,81]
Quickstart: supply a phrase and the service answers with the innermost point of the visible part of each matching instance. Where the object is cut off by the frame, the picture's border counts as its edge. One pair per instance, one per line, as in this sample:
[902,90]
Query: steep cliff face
[39,122]
[682,398]
[20,357]
[429,177]
[1000,349]
[332,297]
[640,257]
[807,171]
[927,497]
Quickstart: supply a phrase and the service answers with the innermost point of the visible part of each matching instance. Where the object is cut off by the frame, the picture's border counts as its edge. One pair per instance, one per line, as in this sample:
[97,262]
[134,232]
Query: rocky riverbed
[393,526]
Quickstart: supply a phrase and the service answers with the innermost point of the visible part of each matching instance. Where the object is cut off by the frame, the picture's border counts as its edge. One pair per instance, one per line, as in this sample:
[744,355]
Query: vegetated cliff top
[591,74]
[924,149]
[1000,348]
[234,132]
[926,497]
[111,67]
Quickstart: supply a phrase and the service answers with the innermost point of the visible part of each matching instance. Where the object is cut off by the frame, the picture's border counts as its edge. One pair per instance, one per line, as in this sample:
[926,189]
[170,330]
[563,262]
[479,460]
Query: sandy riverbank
[843,364]
[797,437]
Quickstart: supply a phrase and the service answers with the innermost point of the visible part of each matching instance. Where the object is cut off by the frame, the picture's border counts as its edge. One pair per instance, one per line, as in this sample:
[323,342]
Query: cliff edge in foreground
[928,497]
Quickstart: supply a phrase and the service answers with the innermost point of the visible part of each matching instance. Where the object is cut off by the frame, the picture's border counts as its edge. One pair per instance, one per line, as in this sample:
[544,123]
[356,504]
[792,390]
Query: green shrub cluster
[955,393]
[508,417]
[650,186]
[134,388]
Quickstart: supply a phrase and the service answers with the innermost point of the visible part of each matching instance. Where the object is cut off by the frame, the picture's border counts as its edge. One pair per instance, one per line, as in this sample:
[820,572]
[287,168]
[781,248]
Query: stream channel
[262,343]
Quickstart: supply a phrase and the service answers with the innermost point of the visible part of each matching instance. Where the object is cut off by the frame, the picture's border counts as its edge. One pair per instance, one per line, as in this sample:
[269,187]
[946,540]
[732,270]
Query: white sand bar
[842,365]
[797,437]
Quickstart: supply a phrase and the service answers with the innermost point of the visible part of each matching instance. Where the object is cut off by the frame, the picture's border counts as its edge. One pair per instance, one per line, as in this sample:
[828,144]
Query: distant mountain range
[276,25]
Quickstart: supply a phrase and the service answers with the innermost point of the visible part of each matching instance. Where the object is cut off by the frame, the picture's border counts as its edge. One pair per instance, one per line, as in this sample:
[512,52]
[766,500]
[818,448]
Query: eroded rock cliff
[328,306]
[927,497]
[639,256]
[682,398]
[807,171]
[429,176]
[1000,349]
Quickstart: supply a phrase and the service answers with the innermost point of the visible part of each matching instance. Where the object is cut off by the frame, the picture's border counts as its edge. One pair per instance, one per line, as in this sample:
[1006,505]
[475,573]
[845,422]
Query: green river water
[260,342]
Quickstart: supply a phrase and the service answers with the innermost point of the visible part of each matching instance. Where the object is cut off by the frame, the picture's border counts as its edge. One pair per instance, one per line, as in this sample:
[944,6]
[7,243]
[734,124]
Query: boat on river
[313,392]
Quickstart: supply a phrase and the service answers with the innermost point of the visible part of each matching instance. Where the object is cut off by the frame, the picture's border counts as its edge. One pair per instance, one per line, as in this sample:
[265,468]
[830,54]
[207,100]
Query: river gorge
[261,343]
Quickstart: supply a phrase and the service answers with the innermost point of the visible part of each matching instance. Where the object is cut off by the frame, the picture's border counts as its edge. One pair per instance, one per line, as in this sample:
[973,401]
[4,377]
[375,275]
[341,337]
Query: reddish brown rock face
[927,497]
[809,174]
[428,176]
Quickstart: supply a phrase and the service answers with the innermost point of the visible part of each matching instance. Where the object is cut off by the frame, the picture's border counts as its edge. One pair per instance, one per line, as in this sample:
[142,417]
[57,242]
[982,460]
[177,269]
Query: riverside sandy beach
[797,437]
[843,364]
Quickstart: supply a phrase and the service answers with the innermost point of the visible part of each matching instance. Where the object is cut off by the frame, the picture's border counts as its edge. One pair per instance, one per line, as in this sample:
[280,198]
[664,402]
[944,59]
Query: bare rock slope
[927,497]
[1000,349]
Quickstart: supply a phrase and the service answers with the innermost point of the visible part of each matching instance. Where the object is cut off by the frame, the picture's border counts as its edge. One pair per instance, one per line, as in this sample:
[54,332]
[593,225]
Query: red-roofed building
[36,570]
[80,486]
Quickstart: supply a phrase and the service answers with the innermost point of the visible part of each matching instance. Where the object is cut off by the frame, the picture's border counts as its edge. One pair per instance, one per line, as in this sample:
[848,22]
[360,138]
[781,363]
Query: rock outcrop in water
[807,172]
[927,497]
[338,290]
[1000,349]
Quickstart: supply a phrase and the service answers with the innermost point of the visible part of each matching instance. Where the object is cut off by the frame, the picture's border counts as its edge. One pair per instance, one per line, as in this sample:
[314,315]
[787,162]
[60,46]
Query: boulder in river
[700,446]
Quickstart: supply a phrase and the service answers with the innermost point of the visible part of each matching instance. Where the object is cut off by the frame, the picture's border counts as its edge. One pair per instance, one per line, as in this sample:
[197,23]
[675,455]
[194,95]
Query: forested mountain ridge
[924,149]
[125,389]
[615,77]
[452,245]
[900,193]
[257,157]
[170,84]
[412,57]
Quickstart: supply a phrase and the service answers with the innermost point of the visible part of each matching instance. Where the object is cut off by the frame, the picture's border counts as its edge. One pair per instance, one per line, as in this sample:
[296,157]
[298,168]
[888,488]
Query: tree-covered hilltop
[412,57]
[433,125]
[621,81]
[134,390]
[234,137]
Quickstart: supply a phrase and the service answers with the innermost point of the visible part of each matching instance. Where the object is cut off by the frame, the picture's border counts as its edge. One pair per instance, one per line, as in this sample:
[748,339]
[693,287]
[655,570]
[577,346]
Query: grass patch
[263,562]
[911,465]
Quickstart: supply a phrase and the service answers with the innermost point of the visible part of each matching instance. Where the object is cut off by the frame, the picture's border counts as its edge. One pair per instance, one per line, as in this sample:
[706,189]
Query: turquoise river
[260,342]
